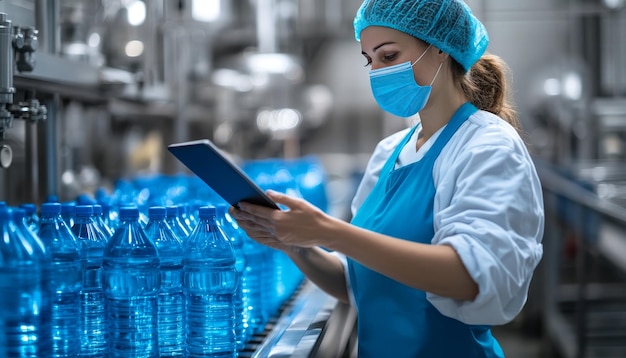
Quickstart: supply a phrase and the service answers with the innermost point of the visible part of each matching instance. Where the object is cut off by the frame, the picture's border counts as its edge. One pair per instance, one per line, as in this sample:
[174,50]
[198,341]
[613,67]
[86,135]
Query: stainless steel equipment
[17,47]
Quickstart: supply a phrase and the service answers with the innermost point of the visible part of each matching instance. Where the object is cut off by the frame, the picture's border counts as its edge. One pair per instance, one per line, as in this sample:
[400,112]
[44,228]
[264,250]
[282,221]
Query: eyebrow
[379,46]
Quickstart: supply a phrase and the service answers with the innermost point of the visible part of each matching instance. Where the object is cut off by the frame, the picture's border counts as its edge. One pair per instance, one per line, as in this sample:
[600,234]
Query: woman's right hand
[256,232]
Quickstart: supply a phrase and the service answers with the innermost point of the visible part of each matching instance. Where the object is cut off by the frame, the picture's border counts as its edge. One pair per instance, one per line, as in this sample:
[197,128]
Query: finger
[258,220]
[250,225]
[257,210]
[284,199]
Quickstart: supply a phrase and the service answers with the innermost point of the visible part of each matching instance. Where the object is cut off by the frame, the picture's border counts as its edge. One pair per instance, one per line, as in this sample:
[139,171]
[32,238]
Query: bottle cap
[172,210]
[68,207]
[29,208]
[129,213]
[157,212]
[50,209]
[206,212]
[83,210]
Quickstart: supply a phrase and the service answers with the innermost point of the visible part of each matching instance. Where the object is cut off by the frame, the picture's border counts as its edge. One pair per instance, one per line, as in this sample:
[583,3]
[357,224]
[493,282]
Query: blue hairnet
[447,24]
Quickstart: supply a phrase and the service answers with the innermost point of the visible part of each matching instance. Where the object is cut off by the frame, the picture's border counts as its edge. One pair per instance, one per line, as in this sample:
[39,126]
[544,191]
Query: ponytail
[485,85]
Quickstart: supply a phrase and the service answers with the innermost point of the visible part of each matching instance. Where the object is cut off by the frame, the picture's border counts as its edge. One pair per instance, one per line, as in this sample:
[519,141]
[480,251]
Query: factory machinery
[579,290]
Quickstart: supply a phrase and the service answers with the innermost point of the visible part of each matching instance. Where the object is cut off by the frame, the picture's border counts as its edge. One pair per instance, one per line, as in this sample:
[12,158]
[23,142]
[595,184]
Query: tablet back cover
[205,160]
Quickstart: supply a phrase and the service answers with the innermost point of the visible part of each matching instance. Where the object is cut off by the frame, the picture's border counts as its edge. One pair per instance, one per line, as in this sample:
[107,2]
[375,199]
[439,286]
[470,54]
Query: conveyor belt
[310,324]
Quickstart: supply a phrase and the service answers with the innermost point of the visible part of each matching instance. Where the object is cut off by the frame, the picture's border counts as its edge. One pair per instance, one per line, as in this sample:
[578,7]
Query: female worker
[448,218]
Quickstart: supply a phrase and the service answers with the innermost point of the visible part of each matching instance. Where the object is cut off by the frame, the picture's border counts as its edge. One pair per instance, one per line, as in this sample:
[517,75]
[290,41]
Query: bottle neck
[50,219]
[83,220]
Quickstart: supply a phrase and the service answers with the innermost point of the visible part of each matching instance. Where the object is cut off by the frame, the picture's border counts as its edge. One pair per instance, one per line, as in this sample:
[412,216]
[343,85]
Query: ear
[443,56]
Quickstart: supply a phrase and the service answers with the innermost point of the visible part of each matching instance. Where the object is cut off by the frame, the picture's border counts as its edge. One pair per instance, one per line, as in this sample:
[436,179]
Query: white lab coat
[488,206]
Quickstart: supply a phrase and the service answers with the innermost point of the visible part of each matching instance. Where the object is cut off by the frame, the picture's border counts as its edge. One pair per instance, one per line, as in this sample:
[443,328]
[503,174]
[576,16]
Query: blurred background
[93,91]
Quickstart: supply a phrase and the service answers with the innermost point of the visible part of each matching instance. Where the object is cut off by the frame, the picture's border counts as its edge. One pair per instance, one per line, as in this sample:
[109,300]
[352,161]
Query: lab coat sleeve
[489,208]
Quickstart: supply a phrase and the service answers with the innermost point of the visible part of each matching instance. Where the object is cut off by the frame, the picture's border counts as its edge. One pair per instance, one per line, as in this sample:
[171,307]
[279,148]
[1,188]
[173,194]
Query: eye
[390,57]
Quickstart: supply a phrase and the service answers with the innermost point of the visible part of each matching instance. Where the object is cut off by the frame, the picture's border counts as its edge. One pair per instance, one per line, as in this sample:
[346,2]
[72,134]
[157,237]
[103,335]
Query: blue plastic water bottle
[131,282]
[106,213]
[188,216]
[98,217]
[64,280]
[174,221]
[23,309]
[68,209]
[171,298]
[269,282]
[32,218]
[241,312]
[21,222]
[94,335]
[250,281]
[209,281]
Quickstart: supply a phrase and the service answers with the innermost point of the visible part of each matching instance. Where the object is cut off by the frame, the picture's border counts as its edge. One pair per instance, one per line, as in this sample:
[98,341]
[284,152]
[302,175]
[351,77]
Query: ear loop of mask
[438,69]
[436,73]
[422,55]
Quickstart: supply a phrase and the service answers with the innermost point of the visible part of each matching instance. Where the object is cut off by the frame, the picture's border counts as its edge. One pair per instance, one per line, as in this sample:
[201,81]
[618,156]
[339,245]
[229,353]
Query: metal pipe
[32,163]
[266,26]
[47,15]
[6,60]
[47,18]
[51,144]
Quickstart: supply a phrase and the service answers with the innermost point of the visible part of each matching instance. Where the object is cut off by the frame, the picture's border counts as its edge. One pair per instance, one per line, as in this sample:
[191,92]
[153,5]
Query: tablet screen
[207,161]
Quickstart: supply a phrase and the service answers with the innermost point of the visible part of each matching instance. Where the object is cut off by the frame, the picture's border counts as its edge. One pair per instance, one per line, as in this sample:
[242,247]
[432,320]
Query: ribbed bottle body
[225,224]
[131,291]
[64,280]
[171,311]
[24,301]
[210,282]
[131,283]
[94,333]
[251,284]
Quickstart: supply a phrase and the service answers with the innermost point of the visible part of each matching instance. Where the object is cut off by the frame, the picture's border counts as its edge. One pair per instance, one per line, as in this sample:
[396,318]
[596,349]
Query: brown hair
[486,86]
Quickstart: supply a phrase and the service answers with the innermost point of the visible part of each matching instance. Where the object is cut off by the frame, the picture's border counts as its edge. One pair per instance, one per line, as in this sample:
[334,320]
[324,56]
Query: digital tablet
[207,161]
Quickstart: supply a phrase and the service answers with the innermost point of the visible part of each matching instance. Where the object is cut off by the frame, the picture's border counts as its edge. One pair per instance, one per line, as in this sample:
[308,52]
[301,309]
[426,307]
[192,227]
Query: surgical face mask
[396,91]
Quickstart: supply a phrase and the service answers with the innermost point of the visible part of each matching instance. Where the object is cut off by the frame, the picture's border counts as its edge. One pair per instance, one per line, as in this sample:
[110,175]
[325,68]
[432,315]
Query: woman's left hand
[301,225]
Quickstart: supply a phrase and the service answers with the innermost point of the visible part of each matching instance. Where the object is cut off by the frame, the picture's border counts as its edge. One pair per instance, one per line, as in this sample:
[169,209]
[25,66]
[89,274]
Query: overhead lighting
[614,4]
[133,48]
[275,63]
[552,87]
[94,40]
[572,86]
[278,120]
[136,12]
[207,11]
